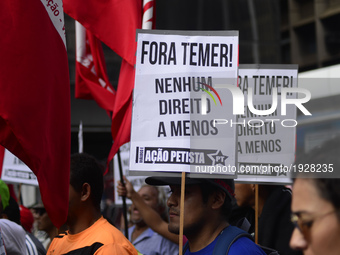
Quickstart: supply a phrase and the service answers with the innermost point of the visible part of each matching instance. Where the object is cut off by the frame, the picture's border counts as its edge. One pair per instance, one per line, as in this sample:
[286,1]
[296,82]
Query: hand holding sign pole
[181,220]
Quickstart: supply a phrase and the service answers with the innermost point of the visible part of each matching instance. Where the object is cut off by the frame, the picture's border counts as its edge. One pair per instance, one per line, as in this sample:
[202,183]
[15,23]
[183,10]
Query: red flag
[91,75]
[114,22]
[121,119]
[35,96]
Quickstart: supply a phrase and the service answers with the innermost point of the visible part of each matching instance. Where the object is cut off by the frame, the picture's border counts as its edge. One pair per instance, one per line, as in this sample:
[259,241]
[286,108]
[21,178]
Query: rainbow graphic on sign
[210,94]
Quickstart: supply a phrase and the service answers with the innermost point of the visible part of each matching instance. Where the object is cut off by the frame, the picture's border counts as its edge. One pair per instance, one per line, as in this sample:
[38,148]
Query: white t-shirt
[13,236]
[2,247]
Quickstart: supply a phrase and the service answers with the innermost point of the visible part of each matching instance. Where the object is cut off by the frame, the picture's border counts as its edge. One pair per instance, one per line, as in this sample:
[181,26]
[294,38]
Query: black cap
[227,185]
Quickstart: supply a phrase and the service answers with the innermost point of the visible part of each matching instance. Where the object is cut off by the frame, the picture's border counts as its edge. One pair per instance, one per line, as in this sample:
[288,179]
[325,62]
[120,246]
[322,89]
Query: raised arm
[150,216]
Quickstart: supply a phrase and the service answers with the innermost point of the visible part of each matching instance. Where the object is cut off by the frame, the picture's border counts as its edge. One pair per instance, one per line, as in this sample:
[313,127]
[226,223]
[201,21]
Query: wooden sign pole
[256,212]
[181,218]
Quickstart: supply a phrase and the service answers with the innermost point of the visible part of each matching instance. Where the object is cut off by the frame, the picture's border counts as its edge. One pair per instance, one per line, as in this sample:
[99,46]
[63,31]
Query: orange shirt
[100,238]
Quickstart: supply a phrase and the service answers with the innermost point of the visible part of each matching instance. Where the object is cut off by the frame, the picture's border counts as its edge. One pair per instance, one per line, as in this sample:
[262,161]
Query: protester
[26,218]
[5,195]
[152,219]
[121,220]
[44,223]
[316,202]
[207,206]
[13,235]
[2,245]
[33,244]
[243,213]
[88,232]
[142,237]
[274,225]
[12,213]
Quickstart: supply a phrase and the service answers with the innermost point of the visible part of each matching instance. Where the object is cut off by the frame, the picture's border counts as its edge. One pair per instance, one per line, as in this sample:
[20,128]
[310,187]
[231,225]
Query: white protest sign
[178,94]
[137,182]
[266,143]
[16,171]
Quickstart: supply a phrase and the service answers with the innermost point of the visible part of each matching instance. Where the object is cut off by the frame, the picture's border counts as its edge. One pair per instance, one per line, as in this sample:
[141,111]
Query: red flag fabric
[114,22]
[35,96]
[121,118]
[91,75]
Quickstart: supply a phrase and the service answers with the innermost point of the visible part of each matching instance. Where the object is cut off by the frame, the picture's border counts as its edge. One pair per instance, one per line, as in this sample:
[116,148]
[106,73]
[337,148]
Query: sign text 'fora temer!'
[192,54]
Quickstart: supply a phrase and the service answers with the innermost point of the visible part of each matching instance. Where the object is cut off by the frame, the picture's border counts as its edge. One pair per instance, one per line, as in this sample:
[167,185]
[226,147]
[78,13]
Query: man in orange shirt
[88,232]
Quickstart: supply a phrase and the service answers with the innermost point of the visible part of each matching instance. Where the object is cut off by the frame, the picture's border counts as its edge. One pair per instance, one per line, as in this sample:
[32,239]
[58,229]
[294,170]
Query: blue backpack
[228,237]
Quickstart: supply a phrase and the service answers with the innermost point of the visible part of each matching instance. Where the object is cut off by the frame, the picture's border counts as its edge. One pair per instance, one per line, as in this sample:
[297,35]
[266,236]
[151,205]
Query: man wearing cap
[207,206]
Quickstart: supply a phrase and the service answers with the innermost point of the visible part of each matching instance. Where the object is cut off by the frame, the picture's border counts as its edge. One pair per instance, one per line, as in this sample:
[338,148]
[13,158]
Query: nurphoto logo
[239,104]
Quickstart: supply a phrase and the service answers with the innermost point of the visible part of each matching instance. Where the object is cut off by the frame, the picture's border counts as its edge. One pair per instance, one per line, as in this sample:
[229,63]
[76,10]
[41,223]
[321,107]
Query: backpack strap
[269,251]
[243,224]
[185,247]
[228,236]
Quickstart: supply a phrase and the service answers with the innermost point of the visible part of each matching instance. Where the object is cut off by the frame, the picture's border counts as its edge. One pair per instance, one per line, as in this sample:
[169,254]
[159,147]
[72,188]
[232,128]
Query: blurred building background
[303,32]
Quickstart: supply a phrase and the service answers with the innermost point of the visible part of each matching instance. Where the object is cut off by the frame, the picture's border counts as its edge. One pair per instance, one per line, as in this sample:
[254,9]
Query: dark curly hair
[209,189]
[86,169]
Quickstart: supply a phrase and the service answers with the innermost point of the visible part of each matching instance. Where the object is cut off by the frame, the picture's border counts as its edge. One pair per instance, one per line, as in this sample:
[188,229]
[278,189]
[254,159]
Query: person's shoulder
[167,244]
[8,224]
[109,234]
[34,243]
[117,249]
[157,241]
[157,236]
[244,245]
[58,240]
[10,228]
[105,228]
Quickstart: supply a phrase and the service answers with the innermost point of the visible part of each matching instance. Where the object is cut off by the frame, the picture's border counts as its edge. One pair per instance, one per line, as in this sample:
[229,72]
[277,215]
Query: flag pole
[80,138]
[126,232]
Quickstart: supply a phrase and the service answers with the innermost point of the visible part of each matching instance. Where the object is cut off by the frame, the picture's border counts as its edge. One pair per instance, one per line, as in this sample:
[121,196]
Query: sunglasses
[40,211]
[304,226]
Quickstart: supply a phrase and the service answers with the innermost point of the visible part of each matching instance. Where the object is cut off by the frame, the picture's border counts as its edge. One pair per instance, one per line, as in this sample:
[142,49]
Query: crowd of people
[219,215]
